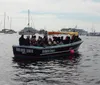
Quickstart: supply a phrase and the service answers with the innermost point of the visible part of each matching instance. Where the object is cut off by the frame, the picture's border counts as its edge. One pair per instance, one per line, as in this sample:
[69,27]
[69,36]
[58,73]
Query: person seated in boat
[58,40]
[22,40]
[33,40]
[40,41]
[27,41]
[45,41]
[73,39]
[61,40]
[55,39]
[77,38]
[50,42]
[67,40]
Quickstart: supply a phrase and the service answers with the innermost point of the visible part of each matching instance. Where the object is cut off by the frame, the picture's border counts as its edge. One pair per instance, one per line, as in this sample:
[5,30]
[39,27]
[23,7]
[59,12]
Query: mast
[10,22]
[28,18]
[4,19]
[93,29]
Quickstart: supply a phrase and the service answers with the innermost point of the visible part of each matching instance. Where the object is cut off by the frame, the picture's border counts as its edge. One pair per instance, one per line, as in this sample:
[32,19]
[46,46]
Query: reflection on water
[48,72]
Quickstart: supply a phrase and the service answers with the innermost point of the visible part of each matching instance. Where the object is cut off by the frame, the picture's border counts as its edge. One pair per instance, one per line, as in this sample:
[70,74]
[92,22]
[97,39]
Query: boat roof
[56,33]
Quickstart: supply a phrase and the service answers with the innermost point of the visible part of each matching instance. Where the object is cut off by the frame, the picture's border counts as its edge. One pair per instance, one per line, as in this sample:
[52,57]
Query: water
[82,70]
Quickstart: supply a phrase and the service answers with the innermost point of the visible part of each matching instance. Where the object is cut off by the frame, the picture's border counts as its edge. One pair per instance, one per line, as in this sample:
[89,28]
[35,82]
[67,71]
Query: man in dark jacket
[22,40]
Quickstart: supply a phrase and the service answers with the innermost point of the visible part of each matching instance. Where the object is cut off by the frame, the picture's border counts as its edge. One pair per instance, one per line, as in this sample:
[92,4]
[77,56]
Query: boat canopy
[56,33]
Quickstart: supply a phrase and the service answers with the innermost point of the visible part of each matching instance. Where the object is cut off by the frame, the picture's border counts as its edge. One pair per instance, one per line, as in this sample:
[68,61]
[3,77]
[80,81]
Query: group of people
[32,41]
[45,41]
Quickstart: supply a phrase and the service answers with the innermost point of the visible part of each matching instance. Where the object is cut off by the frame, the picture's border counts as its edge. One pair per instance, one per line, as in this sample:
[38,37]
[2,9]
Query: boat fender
[72,51]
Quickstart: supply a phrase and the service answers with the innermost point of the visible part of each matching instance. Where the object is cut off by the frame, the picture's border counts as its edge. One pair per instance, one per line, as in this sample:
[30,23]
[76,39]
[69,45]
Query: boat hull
[34,52]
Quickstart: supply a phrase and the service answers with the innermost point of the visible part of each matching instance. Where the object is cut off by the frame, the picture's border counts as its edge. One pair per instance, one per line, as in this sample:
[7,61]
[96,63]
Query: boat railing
[50,47]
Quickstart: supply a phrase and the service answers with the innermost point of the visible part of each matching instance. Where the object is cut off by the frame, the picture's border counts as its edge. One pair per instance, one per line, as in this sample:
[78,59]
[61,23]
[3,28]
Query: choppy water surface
[84,69]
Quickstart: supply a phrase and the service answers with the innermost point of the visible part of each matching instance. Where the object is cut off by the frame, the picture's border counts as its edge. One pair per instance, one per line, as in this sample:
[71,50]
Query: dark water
[83,69]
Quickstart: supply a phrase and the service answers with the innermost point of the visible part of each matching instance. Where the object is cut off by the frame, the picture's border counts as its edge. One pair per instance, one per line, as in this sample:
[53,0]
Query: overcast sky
[51,14]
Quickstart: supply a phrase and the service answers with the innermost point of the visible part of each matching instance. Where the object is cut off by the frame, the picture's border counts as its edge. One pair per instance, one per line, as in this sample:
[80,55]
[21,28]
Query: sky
[50,15]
